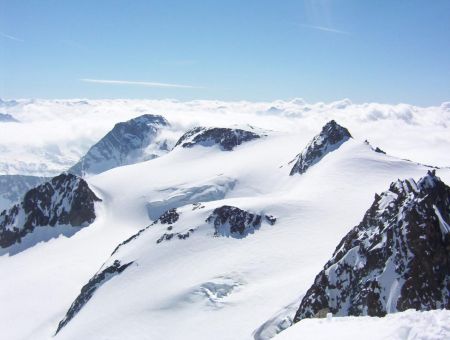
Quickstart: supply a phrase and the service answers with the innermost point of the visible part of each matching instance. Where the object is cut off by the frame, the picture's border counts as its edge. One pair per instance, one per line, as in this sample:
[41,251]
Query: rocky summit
[329,139]
[397,258]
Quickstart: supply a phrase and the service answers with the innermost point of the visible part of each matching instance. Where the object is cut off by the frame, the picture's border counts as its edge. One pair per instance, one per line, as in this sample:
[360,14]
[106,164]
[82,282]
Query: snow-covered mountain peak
[126,143]
[147,119]
[334,132]
[397,258]
[329,139]
[226,138]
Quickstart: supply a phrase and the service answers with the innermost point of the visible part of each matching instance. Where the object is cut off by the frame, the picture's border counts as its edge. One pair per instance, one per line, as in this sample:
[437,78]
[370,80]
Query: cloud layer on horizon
[54,134]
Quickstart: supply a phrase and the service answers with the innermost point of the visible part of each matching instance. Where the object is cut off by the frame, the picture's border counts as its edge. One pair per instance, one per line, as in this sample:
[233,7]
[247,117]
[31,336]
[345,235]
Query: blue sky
[321,50]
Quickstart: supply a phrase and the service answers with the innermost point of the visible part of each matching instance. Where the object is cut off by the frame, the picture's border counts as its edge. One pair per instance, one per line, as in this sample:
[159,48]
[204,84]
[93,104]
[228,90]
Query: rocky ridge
[397,258]
[329,139]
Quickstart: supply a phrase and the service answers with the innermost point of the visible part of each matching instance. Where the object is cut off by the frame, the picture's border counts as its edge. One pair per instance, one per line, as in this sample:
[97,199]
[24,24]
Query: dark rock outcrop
[227,139]
[397,258]
[330,138]
[89,289]
[171,217]
[235,222]
[64,200]
[377,149]
[124,144]
[180,236]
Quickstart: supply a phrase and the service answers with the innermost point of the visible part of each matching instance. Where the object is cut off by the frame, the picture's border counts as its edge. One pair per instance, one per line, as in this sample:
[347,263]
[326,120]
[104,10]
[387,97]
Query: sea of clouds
[53,134]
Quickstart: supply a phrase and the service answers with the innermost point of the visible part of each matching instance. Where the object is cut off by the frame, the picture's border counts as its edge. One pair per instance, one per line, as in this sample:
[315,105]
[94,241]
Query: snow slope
[409,325]
[166,283]
[203,286]
[263,271]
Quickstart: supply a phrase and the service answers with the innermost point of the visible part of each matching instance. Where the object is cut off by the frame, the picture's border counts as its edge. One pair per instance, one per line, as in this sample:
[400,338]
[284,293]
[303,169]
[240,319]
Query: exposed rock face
[397,258]
[235,222]
[227,139]
[126,143]
[64,200]
[89,289]
[330,138]
[14,187]
[7,118]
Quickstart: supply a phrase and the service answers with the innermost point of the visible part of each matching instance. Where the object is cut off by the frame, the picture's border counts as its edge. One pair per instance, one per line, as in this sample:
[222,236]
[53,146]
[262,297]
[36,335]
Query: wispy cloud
[324,29]
[139,83]
[10,37]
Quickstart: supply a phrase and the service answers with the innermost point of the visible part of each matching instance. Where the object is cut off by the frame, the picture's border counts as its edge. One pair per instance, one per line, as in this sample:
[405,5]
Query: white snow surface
[207,287]
[408,325]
